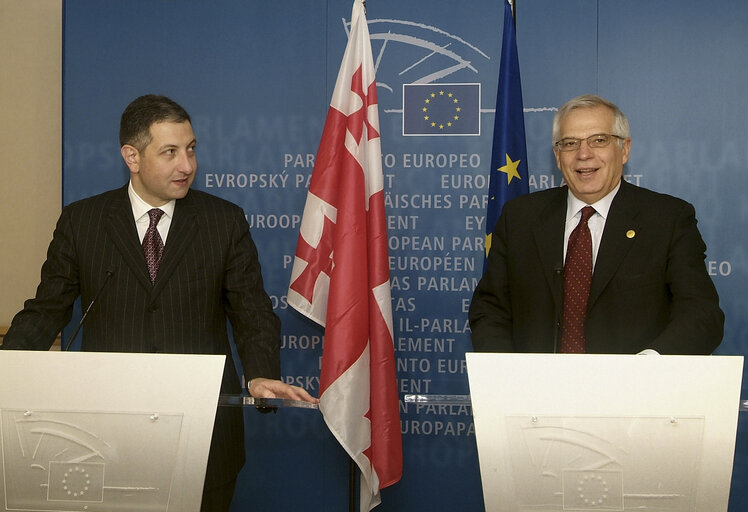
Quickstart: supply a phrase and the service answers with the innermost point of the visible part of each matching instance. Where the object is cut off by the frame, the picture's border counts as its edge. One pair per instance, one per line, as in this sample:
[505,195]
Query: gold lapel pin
[630,233]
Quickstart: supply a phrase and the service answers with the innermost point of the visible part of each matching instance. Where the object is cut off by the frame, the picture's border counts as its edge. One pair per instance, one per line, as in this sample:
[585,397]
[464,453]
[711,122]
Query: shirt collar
[602,207]
[140,207]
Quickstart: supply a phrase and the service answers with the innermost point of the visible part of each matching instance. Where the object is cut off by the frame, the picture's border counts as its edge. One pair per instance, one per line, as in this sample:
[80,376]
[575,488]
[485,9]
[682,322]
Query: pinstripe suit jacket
[209,272]
[650,287]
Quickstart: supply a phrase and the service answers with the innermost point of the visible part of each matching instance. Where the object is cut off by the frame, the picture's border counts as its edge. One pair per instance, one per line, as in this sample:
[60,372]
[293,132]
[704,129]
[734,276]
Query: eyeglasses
[599,140]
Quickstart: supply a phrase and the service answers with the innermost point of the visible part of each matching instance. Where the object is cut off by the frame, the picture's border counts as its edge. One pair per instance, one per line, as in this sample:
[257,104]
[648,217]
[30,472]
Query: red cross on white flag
[340,277]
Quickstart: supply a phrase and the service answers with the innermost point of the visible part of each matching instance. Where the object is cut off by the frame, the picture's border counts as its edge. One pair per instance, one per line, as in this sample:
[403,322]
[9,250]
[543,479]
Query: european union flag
[441,109]
[508,178]
[76,481]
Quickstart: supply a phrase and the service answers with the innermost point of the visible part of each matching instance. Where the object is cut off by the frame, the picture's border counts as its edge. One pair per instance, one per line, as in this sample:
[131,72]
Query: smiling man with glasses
[598,265]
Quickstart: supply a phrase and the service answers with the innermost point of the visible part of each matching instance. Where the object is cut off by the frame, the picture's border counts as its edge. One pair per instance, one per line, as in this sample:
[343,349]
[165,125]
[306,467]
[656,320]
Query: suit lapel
[120,226]
[184,227]
[549,238]
[616,242]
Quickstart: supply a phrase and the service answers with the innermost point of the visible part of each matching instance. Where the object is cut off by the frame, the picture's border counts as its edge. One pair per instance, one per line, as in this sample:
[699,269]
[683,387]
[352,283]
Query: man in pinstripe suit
[209,271]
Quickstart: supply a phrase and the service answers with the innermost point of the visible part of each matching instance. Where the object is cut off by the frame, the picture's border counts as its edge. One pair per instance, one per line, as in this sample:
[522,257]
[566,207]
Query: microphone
[109,274]
[558,274]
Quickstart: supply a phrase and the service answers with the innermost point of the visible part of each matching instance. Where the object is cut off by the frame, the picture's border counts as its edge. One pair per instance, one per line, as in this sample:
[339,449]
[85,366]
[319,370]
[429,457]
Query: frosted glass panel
[88,461]
[604,463]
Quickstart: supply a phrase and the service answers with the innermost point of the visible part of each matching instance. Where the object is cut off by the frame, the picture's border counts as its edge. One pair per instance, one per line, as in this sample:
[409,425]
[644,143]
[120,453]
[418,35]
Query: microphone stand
[109,274]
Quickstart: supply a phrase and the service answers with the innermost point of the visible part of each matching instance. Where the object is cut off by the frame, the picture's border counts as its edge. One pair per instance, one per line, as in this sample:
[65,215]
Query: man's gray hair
[620,123]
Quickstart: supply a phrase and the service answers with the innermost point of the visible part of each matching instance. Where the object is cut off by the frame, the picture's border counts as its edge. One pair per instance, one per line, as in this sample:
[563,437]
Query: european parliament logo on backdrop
[441,109]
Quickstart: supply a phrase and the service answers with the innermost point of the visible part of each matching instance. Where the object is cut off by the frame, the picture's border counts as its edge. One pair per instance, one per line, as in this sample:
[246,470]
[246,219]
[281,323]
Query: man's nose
[187,163]
[584,150]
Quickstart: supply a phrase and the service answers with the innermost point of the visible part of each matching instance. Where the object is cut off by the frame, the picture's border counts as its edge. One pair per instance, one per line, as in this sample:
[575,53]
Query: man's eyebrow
[171,145]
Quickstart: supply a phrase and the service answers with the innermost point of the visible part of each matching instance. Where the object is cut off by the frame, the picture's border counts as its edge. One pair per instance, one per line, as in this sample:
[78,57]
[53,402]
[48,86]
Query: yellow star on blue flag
[510,169]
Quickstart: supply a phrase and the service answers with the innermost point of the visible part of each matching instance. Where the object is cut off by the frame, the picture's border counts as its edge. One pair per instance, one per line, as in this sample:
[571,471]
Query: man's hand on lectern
[261,387]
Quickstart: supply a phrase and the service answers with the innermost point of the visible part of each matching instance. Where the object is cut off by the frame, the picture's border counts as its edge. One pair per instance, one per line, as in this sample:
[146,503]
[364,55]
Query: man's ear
[131,156]
[556,153]
[625,150]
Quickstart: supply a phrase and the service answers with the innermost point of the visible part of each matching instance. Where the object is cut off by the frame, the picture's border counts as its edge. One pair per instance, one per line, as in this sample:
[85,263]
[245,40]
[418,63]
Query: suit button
[153,308]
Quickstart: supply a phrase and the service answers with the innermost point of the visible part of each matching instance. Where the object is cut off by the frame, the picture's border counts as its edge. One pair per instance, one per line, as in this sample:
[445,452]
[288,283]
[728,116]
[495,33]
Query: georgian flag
[340,277]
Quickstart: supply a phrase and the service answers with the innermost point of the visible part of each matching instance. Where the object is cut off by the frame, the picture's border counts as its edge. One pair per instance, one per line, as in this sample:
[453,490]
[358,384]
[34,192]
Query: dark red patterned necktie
[153,246]
[577,279]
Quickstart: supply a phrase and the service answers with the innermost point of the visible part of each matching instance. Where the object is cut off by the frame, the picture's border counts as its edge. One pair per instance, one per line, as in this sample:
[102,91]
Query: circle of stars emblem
[437,98]
[593,490]
[76,482]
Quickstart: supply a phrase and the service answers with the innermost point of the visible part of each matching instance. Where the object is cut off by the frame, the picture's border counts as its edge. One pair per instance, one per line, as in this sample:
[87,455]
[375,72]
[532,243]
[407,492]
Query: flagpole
[352,472]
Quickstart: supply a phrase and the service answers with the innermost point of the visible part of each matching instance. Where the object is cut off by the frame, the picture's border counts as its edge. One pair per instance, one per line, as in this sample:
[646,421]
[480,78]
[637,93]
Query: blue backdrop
[257,79]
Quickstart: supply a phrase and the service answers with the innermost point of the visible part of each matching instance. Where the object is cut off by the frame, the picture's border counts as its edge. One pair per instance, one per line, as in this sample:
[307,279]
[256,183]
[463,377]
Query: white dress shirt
[140,213]
[596,223]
